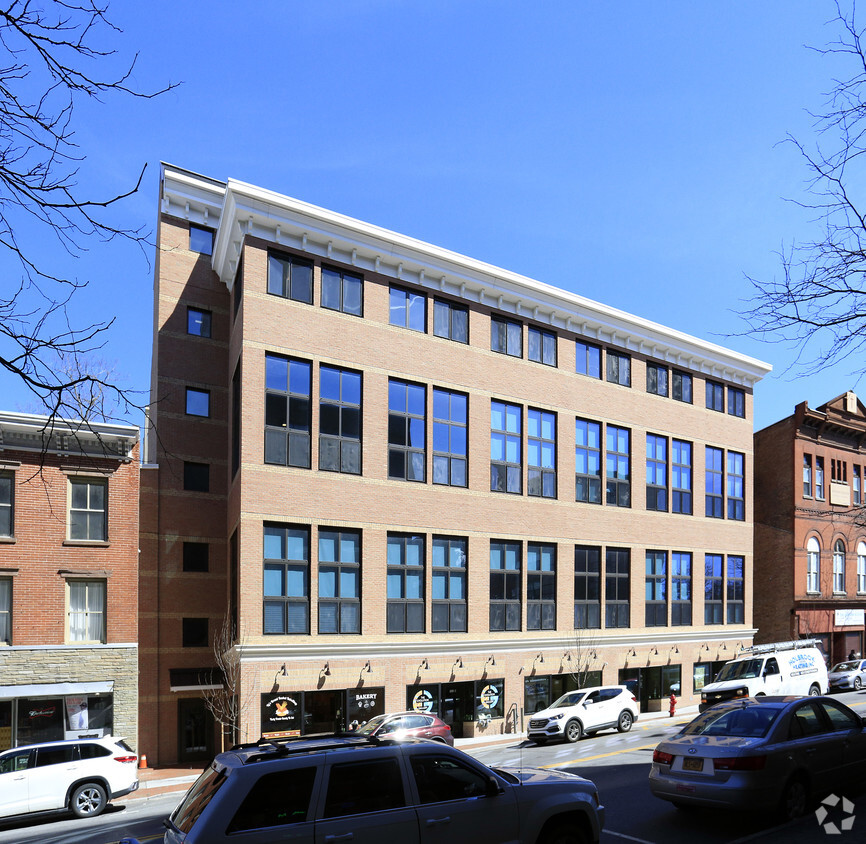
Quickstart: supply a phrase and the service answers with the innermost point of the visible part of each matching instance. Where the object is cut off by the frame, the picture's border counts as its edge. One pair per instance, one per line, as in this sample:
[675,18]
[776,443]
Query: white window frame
[94,611]
[813,565]
[839,567]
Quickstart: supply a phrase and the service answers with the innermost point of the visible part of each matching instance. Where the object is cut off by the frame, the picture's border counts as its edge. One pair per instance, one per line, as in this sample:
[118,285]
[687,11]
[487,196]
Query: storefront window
[489,700]
[40,719]
[423,698]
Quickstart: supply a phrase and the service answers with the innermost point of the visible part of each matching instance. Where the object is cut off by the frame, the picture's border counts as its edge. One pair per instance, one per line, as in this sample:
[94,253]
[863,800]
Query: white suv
[81,775]
[584,712]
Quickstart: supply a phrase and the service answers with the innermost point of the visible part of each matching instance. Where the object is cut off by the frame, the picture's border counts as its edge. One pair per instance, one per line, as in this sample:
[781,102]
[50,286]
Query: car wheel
[795,799]
[626,719]
[573,731]
[88,800]
[814,691]
[565,833]
[858,684]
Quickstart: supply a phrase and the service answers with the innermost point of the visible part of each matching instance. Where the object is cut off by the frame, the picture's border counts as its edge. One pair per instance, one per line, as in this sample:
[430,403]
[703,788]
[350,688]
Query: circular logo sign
[423,701]
[489,697]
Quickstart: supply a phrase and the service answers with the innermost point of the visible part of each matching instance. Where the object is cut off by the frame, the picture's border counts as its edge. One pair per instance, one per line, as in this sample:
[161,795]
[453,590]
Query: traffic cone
[142,761]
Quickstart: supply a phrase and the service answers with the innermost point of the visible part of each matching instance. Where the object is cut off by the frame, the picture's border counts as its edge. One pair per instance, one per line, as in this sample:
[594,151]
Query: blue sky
[627,151]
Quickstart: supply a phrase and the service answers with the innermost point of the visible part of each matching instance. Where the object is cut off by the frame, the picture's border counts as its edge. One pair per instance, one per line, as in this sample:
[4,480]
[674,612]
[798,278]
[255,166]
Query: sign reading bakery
[281,715]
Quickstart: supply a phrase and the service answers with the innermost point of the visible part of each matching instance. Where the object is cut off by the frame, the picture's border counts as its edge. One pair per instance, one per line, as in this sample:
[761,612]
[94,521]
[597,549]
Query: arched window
[861,566]
[839,566]
[813,556]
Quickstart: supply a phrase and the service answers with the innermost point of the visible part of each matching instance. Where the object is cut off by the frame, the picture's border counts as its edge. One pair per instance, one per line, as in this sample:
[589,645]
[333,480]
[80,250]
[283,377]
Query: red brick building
[810,528]
[68,579]
[413,479]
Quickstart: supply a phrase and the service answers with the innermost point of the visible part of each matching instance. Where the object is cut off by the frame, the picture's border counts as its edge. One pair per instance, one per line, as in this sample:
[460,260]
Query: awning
[56,689]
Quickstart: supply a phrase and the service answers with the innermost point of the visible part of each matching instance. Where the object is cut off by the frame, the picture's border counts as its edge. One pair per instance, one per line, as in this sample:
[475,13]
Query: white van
[781,668]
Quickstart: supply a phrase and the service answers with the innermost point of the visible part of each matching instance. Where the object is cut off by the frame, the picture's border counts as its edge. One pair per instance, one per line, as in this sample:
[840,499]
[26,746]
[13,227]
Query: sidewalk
[157,781]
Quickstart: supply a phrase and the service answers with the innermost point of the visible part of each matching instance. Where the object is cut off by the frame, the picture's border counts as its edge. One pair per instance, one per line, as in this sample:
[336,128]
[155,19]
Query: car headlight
[557,716]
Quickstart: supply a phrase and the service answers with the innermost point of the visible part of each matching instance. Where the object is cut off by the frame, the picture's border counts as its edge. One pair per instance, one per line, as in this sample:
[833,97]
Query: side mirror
[493,787]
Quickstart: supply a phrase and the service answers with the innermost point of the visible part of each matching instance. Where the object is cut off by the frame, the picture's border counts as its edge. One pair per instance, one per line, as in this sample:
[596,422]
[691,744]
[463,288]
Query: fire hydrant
[673,709]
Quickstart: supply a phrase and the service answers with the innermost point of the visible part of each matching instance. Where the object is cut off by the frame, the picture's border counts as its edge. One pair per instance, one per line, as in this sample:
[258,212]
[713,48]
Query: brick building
[413,479]
[68,579]
[810,529]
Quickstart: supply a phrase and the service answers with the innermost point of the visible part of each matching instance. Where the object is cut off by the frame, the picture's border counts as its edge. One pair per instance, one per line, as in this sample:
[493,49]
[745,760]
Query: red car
[402,725]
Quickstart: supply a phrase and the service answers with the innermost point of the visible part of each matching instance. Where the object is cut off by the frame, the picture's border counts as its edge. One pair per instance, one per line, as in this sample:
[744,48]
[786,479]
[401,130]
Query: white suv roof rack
[781,646]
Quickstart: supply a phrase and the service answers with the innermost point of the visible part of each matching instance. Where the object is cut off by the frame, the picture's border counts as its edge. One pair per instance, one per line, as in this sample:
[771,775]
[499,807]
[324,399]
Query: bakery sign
[281,715]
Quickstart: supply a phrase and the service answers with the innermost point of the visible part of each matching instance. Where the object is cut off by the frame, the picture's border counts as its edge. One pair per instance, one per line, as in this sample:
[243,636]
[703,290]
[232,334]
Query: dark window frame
[506,475]
[506,336]
[193,393]
[736,402]
[449,614]
[587,484]
[735,485]
[618,368]
[205,234]
[288,411]
[540,586]
[405,614]
[715,393]
[714,584]
[617,484]
[407,431]
[681,386]
[340,299]
[346,606]
[541,475]
[343,443]
[506,594]
[287,611]
[457,319]
[453,427]
[587,587]
[588,359]
[656,473]
[196,476]
[201,317]
[735,580]
[195,632]
[681,588]
[617,587]
[657,379]
[545,344]
[283,269]
[682,473]
[410,297]
[714,482]
[656,585]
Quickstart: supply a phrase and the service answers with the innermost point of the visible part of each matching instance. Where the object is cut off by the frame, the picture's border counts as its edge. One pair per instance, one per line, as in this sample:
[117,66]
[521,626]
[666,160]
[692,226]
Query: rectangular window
[405,583]
[195,556]
[541,453]
[681,477]
[196,476]
[505,577]
[681,589]
[291,278]
[618,466]
[86,610]
[618,368]
[542,346]
[713,589]
[450,321]
[506,461]
[656,379]
[87,510]
[540,587]
[715,396]
[194,633]
[236,419]
[407,431]
[656,472]
[587,461]
[339,420]
[339,581]
[200,239]
[736,402]
[656,589]
[506,337]
[7,504]
[587,587]
[288,411]
[617,587]
[855,482]
[861,568]
[6,610]
[819,478]
[839,470]
[735,590]
[807,476]
[198,322]
[342,291]
[681,386]
[450,435]
[714,481]
[588,361]
[736,486]
[408,309]
[238,289]
[197,402]
[286,580]
[449,584]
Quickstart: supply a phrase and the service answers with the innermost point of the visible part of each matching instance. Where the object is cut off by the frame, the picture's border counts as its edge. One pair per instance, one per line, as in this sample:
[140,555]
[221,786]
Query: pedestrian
[852,655]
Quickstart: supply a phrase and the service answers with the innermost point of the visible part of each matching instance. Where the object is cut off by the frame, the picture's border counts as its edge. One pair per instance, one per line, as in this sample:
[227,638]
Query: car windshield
[372,725]
[197,798]
[847,666]
[570,699]
[742,669]
[742,722]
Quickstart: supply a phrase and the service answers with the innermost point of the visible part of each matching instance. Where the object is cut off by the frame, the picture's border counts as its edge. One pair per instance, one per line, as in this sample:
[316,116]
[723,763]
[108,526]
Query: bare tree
[223,697]
[818,304]
[581,657]
[53,58]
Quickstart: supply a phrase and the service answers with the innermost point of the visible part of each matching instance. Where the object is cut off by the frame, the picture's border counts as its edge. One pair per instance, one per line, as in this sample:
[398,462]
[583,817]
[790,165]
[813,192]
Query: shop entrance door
[323,712]
[195,730]
[458,704]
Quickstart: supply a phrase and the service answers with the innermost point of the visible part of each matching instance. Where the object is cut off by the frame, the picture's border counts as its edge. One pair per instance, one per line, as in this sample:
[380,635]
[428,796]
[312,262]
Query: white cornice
[237,209]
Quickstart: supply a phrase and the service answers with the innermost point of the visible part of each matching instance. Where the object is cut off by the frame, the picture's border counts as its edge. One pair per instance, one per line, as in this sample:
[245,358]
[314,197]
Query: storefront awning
[55,689]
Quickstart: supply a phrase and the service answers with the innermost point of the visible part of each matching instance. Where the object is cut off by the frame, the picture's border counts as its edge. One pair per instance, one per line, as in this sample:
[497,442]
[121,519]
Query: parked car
[849,675]
[762,753]
[585,712]
[333,788]
[80,775]
[401,725]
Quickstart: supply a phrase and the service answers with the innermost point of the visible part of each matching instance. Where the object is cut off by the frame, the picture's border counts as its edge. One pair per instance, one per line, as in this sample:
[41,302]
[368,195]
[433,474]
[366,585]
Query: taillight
[125,758]
[740,763]
[662,758]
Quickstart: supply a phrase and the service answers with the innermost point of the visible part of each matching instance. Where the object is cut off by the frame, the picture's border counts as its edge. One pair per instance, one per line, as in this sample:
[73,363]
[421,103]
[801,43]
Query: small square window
[715,396]
[737,402]
[619,369]
[198,322]
[195,556]
[196,477]
[195,633]
[506,337]
[200,240]
[197,402]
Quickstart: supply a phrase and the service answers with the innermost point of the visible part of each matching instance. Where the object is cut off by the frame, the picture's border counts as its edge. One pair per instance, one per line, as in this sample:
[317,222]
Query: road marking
[601,755]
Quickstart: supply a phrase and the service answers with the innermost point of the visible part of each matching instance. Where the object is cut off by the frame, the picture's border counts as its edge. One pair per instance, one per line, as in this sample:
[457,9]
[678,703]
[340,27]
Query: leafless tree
[55,53]
[818,305]
[581,656]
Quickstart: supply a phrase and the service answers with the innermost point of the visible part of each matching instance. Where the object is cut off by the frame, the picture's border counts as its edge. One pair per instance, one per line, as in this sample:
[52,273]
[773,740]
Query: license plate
[693,764]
